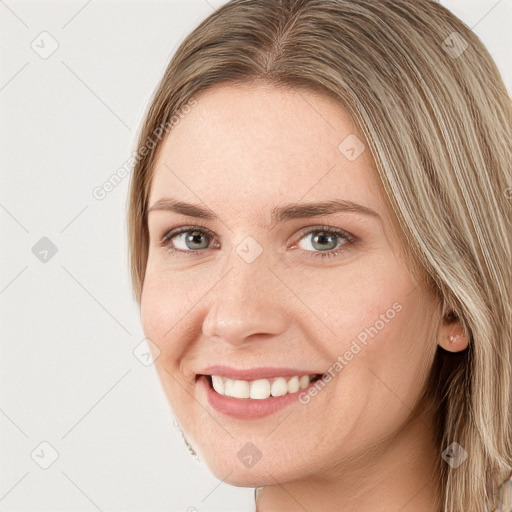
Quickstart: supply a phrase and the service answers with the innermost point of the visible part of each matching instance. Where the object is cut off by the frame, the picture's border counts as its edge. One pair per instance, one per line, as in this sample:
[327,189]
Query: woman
[319,226]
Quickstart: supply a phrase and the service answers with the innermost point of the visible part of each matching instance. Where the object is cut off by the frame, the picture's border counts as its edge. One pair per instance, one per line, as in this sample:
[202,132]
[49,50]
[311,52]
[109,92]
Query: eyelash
[347,237]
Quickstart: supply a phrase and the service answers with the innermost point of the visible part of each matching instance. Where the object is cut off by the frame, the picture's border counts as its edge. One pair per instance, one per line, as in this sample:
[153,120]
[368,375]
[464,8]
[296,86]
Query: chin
[232,470]
[245,477]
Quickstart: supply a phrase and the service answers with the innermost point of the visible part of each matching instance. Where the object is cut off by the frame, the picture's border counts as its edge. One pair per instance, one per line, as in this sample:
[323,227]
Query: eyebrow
[279,213]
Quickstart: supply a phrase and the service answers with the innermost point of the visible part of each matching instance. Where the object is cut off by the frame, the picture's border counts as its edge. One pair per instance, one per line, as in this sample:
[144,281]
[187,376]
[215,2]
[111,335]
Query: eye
[187,239]
[325,241]
[321,241]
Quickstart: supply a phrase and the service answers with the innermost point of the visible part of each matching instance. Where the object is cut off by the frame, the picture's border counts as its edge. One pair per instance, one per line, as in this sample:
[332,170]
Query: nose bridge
[244,301]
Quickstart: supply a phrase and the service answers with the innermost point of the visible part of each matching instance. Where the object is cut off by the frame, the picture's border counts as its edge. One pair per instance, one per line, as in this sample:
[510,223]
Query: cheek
[361,301]
[170,313]
[153,302]
[377,318]
[162,305]
[394,349]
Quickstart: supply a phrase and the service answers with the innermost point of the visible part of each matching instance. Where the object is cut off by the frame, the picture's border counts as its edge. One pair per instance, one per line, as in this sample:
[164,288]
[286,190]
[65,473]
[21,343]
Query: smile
[260,389]
[253,399]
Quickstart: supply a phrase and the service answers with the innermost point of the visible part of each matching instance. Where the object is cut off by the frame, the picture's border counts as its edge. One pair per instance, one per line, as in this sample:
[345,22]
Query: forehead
[245,146]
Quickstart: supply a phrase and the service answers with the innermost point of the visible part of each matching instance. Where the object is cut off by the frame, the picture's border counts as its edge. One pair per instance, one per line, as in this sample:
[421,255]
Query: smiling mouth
[259,389]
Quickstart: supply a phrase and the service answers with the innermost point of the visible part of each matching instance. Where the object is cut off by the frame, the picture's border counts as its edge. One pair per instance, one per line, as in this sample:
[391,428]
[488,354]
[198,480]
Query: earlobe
[452,336]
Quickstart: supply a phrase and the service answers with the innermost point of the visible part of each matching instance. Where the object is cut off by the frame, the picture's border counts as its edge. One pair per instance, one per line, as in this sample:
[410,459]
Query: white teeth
[293,385]
[218,384]
[279,387]
[259,389]
[304,381]
[240,389]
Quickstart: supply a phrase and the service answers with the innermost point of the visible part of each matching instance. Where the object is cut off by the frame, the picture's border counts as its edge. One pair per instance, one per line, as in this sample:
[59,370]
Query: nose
[249,302]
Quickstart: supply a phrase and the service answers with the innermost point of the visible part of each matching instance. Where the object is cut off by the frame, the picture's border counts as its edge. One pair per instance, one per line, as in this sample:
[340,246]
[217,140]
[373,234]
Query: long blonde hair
[437,117]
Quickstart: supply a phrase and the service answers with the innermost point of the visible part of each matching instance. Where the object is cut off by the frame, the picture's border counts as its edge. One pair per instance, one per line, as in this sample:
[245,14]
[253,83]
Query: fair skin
[242,151]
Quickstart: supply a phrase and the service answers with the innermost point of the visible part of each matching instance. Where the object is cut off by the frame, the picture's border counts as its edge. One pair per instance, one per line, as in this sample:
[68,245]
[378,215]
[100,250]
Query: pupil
[193,238]
[322,239]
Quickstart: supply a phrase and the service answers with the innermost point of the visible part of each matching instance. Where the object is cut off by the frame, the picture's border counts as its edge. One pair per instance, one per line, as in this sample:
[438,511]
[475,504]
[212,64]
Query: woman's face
[264,291]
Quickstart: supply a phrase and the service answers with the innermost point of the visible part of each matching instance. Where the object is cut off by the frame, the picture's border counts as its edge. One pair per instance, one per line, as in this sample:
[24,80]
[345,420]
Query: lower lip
[246,408]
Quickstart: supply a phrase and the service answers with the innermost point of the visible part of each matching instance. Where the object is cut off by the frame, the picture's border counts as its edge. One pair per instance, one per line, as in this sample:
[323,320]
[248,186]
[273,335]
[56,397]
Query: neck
[398,475]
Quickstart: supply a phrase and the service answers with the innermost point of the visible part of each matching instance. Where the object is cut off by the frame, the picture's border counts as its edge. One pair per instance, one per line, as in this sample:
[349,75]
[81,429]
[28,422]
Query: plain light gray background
[69,327]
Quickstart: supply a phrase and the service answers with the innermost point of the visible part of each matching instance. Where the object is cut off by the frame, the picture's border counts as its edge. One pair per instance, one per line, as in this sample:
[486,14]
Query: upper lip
[262,372]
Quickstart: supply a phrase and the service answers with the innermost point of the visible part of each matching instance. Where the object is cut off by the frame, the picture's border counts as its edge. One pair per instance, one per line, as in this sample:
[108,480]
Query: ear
[451,334]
